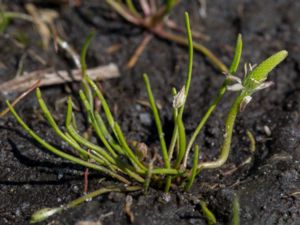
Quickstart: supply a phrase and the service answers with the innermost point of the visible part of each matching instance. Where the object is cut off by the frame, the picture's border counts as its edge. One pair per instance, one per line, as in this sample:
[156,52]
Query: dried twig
[127,208]
[48,78]
[134,58]
[23,95]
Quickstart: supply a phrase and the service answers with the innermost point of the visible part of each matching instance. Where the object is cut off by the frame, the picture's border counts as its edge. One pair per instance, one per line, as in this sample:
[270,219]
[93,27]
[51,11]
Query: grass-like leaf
[237,55]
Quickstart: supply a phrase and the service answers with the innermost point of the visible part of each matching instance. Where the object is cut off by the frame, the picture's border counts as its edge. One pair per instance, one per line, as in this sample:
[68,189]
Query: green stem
[225,149]
[173,141]
[209,216]
[199,127]
[107,112]
[179,121]
[191,179]
[165,171]
[190,66]
[106,134]
[182,142]
[148,176]
[81,140]
[159,131]
[86,87]
[235,211]
[157,122]
[131,156]
[94,123]
[233,68]
[93,194]
[132,8]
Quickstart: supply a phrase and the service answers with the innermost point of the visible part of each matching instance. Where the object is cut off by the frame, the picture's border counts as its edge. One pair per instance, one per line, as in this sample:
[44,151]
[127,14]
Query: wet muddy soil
[268,186]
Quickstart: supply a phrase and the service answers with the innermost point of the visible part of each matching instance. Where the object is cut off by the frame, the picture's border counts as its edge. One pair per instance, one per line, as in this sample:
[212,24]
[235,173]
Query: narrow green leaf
[86,87]
[191,54]
[95,124]
[83,53]
[191,179]
[182,142]
[157,122]
[237,55]
[105,106]
[131,156]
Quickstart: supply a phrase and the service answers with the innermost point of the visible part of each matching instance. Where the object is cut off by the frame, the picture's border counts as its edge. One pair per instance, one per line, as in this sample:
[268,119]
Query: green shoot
[85,86]
[235,211]
[175,130]
[45,213]
[192,177]
[157,122]
[237,55]
[180,125]
[159,130]
[210,217]
[252,141]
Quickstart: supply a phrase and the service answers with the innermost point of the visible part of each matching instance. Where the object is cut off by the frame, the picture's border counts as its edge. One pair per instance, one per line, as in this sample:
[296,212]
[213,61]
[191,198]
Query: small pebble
[60,175]
[145,119]
[75,188]
[18,212]
[267,130]
[166,197]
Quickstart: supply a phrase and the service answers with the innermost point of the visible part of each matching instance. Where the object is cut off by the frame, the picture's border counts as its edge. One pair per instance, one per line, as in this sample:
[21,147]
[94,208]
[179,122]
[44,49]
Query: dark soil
[32,178]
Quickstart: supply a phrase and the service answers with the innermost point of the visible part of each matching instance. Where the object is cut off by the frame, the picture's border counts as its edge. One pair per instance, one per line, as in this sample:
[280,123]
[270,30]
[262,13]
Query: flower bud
[179,99]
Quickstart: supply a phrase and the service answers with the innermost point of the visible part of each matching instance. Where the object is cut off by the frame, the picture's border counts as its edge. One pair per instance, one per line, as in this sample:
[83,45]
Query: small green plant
[118,160]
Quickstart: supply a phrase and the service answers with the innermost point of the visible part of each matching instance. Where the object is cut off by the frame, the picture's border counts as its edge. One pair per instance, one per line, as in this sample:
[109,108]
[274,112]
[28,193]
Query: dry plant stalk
[47,78]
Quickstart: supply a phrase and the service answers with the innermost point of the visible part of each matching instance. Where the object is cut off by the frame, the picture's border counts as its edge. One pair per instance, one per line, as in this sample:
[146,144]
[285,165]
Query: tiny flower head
[179,99]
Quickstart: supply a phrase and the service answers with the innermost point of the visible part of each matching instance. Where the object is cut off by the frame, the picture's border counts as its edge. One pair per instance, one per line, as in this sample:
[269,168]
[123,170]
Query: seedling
[118,160]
